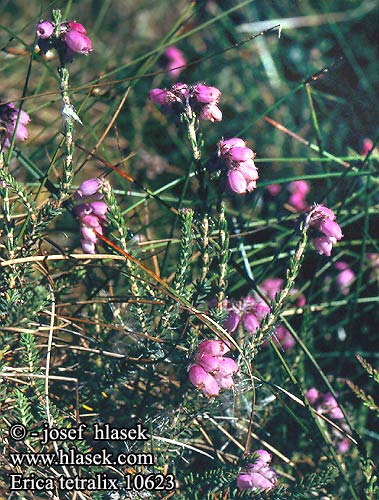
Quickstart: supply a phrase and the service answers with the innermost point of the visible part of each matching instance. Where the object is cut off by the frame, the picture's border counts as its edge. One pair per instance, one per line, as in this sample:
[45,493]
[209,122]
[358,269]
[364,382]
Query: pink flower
[271,286]
[331,229]
[214,347]
[224,382]
[8,116]
[211,112]
[312,395]
[211,371]
[176,60]
[203,381]
[345,278]
[92,215]
[367,145]
[326,404]
[299,190]
[89,187]
[234,142]
[73,25]
[237,161]
[88,246]
[258,475]
[206,94]
[297,200]
[274,189]
[323,245]
[236,182]
[232,321]
[210,363]
[185,99]
[238,154]
[78,42]
[323,219]
[250,322]
[72,38]
[158,96]
[45,29]
[285,339]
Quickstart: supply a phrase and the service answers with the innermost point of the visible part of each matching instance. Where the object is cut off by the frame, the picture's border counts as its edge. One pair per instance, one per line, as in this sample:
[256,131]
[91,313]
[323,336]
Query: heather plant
[189,269]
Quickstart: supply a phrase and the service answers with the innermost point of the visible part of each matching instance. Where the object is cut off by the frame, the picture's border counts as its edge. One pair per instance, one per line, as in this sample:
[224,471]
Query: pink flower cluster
[259,475]
[247,311]
[203,99]
[91,214]
[8,117]
[175,61]
[212,371]
[299,190]
[72,38]
[326,404]
[242,174]
[345,277]
[323,219]
[250,311]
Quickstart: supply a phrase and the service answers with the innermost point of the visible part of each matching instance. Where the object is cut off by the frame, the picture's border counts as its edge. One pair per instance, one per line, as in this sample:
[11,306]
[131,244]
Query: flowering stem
[69,116]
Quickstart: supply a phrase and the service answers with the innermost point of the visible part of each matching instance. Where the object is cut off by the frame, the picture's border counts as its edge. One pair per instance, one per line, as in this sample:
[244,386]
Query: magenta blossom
[175,61]
[259,475]
[367,145]
[326,404]
[181,98]
[248,312]
[299,190]
[9,115]
[237,161]
[91,214]
[211,371]
[274,189]
[345,278]
[72,38]
[323,219]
